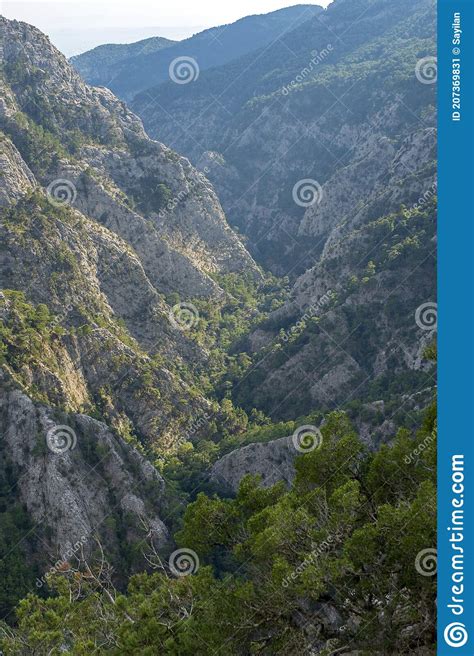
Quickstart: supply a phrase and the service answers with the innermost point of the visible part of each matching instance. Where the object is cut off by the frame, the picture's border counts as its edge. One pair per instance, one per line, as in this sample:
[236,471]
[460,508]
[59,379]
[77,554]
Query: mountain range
[146,64]
[332,107]
[189,280]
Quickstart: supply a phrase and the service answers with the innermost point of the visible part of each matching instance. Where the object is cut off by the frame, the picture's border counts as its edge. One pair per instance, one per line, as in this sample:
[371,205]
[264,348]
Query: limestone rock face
[99,226]
[118,223]
[75,476]
[104,118]
[183,226]
[16,178]
[273,461]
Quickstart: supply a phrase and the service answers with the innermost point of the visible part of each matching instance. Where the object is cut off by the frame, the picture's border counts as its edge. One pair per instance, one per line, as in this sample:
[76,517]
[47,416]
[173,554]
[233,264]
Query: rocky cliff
[107,239]
[78,480]
[272,461]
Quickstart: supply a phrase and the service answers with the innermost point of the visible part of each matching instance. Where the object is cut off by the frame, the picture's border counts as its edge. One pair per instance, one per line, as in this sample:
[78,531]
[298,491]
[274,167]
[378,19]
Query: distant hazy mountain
[99,66]
[214,47]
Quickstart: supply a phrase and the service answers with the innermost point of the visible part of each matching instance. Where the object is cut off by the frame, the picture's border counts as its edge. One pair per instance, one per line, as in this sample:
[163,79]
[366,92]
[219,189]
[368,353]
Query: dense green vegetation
[344,539]
[222,326]
[24,335]
[18,569]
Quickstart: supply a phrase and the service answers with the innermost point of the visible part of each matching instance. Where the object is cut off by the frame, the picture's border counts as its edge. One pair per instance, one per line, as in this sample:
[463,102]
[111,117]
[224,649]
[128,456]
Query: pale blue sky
[75,26]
